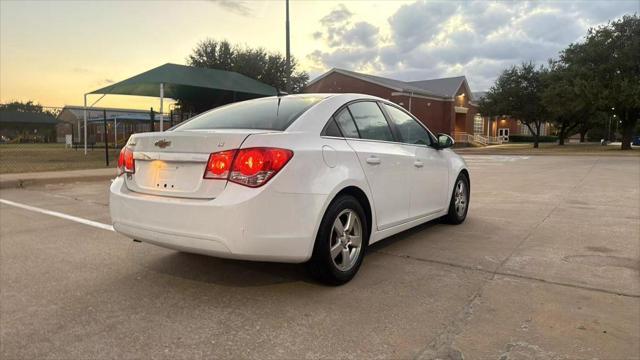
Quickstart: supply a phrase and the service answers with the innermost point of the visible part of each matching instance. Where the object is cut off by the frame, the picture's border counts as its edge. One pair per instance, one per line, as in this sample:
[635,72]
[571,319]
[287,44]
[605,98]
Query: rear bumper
[242,223]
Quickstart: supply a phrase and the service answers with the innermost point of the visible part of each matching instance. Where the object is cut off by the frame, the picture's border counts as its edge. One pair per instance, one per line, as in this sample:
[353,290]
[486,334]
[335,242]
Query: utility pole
[288,51]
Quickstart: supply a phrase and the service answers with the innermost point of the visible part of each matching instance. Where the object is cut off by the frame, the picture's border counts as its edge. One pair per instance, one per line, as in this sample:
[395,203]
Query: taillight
[219,165]
[255,166]
[126,164]
[251,167]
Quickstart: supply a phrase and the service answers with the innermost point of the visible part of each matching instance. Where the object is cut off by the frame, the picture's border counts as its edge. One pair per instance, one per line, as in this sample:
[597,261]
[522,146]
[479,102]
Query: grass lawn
[21,158]
[551,149]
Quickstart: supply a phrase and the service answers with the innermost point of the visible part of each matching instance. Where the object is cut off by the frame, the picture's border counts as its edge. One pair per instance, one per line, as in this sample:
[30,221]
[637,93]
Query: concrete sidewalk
[53,177]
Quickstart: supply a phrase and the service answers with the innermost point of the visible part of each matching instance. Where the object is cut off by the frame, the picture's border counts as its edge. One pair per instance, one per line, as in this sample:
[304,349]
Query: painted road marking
[485,160]
[59,214]
[492,158]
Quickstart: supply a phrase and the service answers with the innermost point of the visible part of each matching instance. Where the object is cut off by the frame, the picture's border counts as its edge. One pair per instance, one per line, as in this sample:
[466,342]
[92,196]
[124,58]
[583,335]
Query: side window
[331,129]
[370,121]
[347,125]
[410,131]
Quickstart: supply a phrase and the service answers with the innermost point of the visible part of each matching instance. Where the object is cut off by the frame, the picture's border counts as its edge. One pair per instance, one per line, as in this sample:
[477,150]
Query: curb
[17,181]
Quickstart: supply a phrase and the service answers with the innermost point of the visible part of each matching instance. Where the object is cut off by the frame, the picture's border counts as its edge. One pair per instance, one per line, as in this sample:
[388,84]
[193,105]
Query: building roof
[182,81]
[21,117]
[445,88]
[132,117]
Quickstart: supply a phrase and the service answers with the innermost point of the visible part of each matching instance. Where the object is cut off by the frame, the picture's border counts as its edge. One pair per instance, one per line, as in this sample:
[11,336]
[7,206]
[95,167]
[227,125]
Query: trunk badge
[162,143]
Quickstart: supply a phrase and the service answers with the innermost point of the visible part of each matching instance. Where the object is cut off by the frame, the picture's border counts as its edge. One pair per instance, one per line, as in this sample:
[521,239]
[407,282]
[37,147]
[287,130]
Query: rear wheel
[341,242]
[459,204]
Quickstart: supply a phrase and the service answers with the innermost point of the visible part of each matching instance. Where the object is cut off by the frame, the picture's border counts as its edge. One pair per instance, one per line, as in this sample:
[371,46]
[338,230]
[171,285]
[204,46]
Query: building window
[478,124]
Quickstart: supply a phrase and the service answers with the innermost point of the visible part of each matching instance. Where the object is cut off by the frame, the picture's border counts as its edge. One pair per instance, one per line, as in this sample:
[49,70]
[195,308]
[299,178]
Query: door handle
[418,164]
[373,160]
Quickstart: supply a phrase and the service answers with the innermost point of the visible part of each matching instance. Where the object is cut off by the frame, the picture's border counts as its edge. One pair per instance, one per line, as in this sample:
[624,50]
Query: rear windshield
[271,113]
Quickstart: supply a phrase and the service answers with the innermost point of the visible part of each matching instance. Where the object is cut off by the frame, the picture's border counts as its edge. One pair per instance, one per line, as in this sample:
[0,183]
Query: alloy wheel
[460,198]
[346,240]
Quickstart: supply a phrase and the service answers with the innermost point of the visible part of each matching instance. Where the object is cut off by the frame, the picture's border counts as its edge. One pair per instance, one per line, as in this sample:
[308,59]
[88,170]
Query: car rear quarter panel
[308,172]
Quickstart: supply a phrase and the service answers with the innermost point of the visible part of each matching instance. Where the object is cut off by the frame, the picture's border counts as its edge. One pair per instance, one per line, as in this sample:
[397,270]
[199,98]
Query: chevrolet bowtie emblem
[162,143]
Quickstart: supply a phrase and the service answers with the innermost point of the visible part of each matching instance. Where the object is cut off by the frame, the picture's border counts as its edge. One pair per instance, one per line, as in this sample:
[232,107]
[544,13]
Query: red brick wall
[497,123]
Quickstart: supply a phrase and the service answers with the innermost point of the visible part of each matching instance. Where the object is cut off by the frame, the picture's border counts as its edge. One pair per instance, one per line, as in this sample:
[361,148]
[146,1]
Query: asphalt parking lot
[546,266]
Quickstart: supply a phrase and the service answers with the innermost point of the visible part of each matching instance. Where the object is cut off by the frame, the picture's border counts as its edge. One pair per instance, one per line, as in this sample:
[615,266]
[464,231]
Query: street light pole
[609,128]
[288,55]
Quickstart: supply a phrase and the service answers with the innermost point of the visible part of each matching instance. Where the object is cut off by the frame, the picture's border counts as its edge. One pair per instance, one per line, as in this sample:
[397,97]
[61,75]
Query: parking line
[59,214]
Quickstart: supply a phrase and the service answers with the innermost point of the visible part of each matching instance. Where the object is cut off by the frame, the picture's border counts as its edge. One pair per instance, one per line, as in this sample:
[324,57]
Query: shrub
[529,139]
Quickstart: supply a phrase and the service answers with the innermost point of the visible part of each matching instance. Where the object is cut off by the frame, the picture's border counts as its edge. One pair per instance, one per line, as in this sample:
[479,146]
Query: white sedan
[312,178]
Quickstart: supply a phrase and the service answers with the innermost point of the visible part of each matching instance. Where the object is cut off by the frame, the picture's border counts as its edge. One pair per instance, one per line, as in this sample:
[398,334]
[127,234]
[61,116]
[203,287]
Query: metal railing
[463,137]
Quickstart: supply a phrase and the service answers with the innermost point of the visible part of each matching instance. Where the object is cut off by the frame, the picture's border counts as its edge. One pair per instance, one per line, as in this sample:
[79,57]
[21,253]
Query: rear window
[271,113]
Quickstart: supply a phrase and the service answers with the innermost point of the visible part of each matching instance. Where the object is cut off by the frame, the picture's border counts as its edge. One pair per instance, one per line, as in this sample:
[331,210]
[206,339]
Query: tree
[28,106]
[596,119]
[607,70]
[569,112]
[518,93]
[268,67]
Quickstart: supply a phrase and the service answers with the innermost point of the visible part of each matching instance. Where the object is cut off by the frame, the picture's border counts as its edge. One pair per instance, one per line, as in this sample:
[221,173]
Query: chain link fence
[54,139]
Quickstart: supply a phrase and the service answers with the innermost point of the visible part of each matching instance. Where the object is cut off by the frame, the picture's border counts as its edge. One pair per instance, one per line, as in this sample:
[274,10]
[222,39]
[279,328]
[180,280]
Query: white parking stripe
[494,158]
[58,214]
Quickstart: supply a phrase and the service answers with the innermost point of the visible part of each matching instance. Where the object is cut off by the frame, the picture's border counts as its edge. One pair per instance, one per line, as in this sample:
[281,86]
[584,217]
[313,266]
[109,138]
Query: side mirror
[445,141]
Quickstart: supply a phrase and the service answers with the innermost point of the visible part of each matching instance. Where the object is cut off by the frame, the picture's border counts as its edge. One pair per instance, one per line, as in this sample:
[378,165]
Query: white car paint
[278,221]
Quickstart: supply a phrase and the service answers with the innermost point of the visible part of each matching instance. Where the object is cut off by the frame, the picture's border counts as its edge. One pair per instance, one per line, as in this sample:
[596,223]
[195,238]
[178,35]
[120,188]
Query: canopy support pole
[161,101]
[106,137]
[115,132]
[85,124]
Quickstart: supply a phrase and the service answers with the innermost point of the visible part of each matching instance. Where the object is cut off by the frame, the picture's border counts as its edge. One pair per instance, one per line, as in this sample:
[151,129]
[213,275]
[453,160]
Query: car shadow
[226,272]
[239,273]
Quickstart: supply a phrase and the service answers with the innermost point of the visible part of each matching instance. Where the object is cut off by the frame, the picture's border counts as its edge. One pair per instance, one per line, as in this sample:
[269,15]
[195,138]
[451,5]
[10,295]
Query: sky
[53,52]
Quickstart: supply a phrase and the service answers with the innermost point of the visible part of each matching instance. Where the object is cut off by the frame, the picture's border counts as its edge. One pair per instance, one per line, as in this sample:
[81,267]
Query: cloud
[551,26]
[337,15]
[351,45]
[428,39]
[419,22]
[361,34]
[348,58]
[239,7]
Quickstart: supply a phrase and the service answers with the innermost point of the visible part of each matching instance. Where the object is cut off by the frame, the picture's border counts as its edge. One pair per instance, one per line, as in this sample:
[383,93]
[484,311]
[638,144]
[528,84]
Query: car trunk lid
[173,163]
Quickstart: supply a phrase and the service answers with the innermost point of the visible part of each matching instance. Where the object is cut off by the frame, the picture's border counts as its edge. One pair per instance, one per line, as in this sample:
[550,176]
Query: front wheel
[340,243]
[459,204]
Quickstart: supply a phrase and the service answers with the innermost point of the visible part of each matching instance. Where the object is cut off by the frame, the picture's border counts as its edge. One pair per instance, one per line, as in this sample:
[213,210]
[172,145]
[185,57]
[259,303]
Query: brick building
[445,105]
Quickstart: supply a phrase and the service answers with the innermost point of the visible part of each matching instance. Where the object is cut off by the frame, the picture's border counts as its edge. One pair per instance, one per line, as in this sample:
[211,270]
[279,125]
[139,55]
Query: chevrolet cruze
[312,178]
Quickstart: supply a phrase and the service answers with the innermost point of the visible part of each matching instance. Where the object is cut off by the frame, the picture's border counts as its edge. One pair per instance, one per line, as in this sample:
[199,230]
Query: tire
[336,267]
[459,203]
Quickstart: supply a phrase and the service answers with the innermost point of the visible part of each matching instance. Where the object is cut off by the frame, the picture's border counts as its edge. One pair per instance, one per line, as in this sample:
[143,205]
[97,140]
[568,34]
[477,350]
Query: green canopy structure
[186,82]
[182,81]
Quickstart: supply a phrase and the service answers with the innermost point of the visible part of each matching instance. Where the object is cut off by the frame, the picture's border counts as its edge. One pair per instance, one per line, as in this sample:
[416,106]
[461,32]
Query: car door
[385,162]
[429,176]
